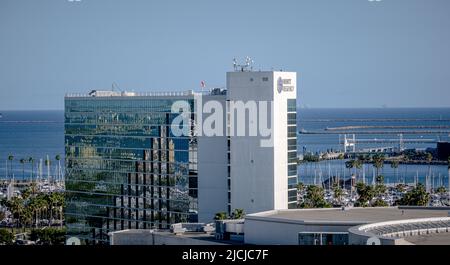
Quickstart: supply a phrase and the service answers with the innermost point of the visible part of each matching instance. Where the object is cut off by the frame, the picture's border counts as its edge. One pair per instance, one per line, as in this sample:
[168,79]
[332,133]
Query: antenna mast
[243,67]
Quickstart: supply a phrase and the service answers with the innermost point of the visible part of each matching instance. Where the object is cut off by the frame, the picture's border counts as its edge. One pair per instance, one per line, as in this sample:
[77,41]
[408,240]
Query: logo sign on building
[284,85]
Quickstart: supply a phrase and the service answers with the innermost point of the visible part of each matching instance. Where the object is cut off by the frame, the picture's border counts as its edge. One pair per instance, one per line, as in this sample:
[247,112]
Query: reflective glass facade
[124,167]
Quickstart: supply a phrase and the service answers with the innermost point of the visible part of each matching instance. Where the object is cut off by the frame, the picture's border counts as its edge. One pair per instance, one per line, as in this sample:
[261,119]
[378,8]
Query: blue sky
[348,53]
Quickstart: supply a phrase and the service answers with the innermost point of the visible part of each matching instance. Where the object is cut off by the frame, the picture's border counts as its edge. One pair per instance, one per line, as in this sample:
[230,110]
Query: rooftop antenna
[243,67]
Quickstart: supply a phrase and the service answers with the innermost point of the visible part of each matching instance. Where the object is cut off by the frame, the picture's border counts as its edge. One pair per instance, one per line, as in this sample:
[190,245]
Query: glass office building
[127,169]
[124,167]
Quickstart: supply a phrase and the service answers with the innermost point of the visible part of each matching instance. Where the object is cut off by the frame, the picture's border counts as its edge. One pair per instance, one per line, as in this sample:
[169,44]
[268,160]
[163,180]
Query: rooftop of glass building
[112,93]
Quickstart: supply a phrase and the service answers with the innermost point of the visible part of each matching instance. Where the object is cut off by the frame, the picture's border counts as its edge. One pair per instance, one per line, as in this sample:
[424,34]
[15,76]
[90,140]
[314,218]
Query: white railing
[140,94]
[404,227]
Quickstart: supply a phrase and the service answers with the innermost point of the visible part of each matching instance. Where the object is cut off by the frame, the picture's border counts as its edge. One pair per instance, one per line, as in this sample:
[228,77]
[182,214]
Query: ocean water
[30,133]
[431,124]
[41,133]
[431,121]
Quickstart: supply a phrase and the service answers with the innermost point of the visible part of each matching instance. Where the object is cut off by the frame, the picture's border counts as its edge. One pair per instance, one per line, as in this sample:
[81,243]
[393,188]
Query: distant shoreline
[31,121]
[298,108]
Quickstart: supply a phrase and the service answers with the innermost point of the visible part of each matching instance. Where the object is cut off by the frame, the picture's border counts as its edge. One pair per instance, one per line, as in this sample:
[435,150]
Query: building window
[265,79]
[292,105]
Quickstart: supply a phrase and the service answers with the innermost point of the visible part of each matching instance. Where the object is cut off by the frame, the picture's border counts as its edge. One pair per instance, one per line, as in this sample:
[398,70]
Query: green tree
[39,204]
[349,165]
[10,159]
[300,187]
[26,194]
[400,187]
[6,237]
[361,157]
[311,158]
[365,194]
[58,158]
[441,190]
[33,189]
[26,217]
[378,162]
[380,179]
[31,161]
[47,164]
[379,203]
[55,202]
[15,205]
[380,189]
[394,165]
[314,198]
[220,216]
[357,164]
[406,158]
[418,196]
[429,158]
[338,193]
[22,161]
[48,236]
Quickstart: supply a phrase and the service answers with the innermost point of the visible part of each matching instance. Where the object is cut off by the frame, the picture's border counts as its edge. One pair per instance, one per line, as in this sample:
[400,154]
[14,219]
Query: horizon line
[298,107]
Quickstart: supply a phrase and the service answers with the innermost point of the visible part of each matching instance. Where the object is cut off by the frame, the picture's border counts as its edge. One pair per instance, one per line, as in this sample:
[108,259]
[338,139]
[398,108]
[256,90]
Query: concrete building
[127,168]
[354,226]
[264,178]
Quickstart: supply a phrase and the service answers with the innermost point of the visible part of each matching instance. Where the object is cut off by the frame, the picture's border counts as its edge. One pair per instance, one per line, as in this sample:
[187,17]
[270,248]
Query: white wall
[252,167]
[212,171]
[259,174]
[280,133]
[146,237]
[269,232]
[212,177]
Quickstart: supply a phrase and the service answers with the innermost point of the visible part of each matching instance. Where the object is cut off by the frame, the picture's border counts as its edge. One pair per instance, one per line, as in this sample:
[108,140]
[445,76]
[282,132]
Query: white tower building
[264,178]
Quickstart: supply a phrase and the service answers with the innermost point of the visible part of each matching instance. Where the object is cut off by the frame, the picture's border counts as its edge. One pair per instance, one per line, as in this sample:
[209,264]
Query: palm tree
[22,161]
[378,162]
[34,206]
[42,207]
[357,164]
[33,189]
[429,158]
[31,161]
[27,217]
[349,166]
[406,159]
[300,187]
[10,158]
[337,194]
[15,205]
[55,201]
[380,179]
[58,158]
[394,165]
[47,164]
